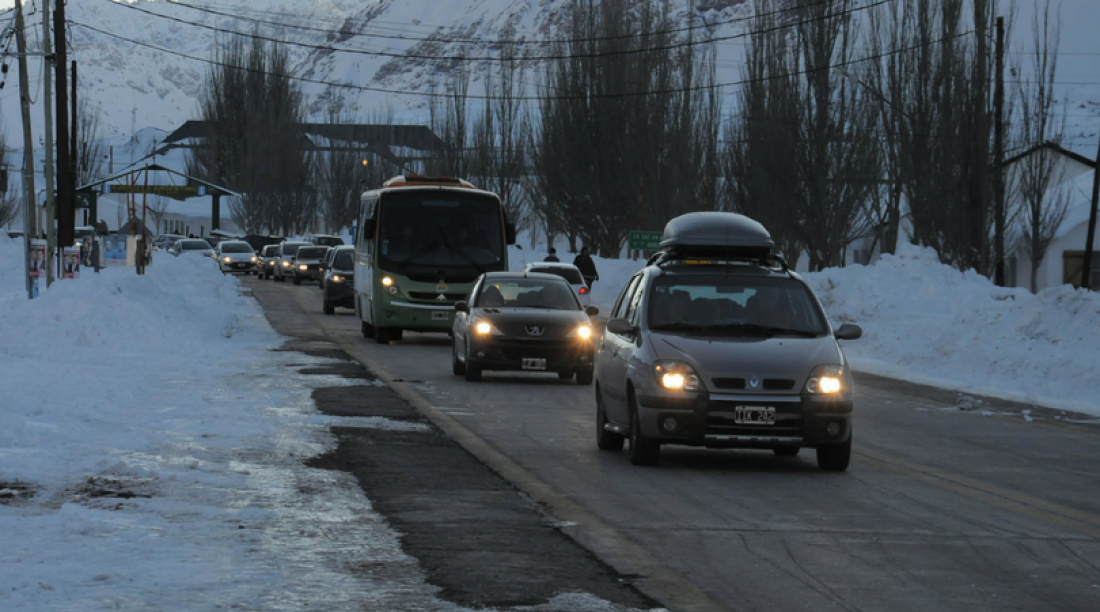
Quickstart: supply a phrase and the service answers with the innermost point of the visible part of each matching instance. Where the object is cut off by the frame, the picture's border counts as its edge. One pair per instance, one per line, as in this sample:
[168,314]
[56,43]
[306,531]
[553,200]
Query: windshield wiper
[769,330]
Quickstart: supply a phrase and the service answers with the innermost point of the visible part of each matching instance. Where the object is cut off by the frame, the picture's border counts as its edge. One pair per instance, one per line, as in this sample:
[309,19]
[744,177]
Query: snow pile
[927,322]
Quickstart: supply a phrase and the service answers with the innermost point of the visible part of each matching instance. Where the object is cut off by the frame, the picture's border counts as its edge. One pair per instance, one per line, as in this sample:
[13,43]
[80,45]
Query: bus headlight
[387,281]
[827,380]
[677,376]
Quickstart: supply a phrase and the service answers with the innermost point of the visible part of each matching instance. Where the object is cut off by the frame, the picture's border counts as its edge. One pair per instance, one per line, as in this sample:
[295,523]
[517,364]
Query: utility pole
[1086,271]
[66,189]
[51,202]
[30,228]
[998,160]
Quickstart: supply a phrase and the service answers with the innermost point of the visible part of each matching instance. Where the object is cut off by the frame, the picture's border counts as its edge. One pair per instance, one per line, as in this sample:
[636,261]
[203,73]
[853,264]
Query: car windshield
[236,247]
[290,248]
[195,245]
[528,293]
[343,260]
[270,250]
[570,273]
[328,241]
[734,304]
[310,252]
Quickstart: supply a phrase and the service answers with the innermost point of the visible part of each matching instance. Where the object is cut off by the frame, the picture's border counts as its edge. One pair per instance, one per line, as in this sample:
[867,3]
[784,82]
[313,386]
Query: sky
[165,387]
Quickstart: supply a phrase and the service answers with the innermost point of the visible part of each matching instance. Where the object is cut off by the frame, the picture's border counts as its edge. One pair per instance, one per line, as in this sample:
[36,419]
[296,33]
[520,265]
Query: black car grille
[720,421]
[769,384]
[430,295]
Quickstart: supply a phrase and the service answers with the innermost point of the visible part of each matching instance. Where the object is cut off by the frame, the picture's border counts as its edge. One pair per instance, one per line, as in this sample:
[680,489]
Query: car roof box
[716,234]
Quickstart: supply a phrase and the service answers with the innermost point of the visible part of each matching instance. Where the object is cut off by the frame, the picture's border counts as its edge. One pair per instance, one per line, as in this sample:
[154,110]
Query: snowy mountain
[143,63]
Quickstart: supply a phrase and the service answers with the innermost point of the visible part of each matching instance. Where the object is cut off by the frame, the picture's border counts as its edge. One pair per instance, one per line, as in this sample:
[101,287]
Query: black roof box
[716,234]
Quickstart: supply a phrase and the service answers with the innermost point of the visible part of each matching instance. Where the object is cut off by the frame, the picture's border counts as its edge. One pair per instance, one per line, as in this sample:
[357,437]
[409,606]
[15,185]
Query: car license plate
[530,363]
[754,415]
[440,316]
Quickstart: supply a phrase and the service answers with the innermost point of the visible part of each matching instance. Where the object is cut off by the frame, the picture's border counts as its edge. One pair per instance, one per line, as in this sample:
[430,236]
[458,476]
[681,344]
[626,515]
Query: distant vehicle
[163,241]
[717,343]
[269,256]
[192,246]
[420,244]
[306,264]
[523,321]
[328,240]
[259,241]
[569,272]
[285,259]
[236,256]
[337,280]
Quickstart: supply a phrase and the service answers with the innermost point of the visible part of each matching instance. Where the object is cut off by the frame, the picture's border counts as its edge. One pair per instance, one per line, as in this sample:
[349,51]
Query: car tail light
[584,290]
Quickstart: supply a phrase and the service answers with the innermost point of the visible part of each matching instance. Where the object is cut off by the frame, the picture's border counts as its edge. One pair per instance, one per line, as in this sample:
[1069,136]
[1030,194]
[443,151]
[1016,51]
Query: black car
[337,280]
[523,321]
[307,263]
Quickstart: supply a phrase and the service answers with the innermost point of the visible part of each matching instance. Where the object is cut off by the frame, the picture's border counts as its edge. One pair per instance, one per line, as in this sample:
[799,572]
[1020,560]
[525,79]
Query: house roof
[1053,146]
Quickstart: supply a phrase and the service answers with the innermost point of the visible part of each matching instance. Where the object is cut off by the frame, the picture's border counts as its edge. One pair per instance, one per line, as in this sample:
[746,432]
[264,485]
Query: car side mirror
[620,326]
[592,311]
[848,331]
[462,307]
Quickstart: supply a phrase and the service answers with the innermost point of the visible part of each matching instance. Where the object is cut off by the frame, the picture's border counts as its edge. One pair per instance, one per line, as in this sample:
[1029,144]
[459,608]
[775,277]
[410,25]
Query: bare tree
[1035,179]
[90,151]
[10,206]
[157,207]
[255,144]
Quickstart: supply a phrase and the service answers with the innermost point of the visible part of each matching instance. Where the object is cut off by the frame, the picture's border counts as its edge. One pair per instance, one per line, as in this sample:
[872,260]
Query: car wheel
[786,451]
[643,451]
[297,280]
[382,335]
[605,440]
[457,367]
[835,457]
[565,375]
[584,377]
[327,308]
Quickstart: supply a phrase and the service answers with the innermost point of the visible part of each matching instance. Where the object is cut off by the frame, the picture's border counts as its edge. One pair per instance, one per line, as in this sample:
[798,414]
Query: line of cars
[714,343]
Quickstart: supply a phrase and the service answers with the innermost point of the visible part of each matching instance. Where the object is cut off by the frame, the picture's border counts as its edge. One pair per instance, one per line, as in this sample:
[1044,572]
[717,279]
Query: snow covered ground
[151,442]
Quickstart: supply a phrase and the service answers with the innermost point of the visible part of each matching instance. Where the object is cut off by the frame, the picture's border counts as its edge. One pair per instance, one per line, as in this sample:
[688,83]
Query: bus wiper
[456,251]
[400,267]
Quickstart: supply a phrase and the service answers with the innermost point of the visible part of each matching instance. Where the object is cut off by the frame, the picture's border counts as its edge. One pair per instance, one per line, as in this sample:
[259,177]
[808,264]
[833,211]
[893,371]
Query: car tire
[565,375]
[457,367]
[786,451]
[327,308]
[382,335]
[643,451]
[584,377]
[297,280]
[835,457]
[605,440]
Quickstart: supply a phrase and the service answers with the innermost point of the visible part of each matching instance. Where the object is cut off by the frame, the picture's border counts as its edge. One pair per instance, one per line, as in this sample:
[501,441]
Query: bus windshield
[429,231]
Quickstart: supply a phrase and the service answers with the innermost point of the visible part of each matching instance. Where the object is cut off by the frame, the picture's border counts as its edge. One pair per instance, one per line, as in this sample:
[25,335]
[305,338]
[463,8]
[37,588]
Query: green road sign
[645,241]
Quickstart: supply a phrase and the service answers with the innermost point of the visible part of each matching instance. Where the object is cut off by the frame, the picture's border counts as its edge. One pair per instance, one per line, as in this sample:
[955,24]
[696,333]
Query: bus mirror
[368,229]
[510,233]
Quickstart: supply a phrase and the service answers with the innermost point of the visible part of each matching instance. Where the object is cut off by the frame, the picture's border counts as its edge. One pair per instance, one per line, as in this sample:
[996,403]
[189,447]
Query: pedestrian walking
[584,263]
[553,255]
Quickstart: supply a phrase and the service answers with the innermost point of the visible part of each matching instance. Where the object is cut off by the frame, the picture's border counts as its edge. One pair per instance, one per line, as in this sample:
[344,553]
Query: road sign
[172,191]
[645,241]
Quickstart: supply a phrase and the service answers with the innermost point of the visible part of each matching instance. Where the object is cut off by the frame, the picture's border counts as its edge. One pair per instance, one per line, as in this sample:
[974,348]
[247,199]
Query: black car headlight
[484,329]
[584,332]
[677,376]
[828,379]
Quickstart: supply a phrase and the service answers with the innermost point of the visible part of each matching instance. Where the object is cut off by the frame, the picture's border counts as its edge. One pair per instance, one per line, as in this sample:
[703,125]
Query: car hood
[781,357]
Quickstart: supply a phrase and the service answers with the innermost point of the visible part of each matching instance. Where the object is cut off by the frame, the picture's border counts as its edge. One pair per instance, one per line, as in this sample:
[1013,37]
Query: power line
[464,58]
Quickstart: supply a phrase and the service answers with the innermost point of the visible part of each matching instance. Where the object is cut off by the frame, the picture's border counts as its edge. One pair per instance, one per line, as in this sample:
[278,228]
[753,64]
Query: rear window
[310,253]
[328,240]
[290,248]
[571,275]
[271,249]
[194,245]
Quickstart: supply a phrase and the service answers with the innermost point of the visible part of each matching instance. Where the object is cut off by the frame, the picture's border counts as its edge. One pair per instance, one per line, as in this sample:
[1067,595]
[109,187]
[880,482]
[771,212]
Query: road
[944,507]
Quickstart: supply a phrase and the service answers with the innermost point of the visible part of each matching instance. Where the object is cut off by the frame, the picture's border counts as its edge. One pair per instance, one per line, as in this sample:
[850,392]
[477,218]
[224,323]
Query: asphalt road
[951,502]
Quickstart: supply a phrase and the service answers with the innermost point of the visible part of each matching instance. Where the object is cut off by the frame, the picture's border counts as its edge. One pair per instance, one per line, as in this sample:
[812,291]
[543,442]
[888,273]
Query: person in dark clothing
[553,256]
[584,263]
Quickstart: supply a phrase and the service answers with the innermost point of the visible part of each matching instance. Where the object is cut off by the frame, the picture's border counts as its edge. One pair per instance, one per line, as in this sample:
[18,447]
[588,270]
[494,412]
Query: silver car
[236,256]
[284,259]
[716,343]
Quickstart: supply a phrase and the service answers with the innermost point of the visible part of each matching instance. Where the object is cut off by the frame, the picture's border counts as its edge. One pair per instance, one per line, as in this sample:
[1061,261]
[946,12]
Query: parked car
[328,240]
[192,246]
[236,256]
[285,259]
[569,272]
[717,343]
[338,280]
[306,264]
[523,321]
[269,256]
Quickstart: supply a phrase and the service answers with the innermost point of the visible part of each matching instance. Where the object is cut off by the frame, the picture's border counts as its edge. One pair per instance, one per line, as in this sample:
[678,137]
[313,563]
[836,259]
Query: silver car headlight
[677,376]
[828,379]
[226,259]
